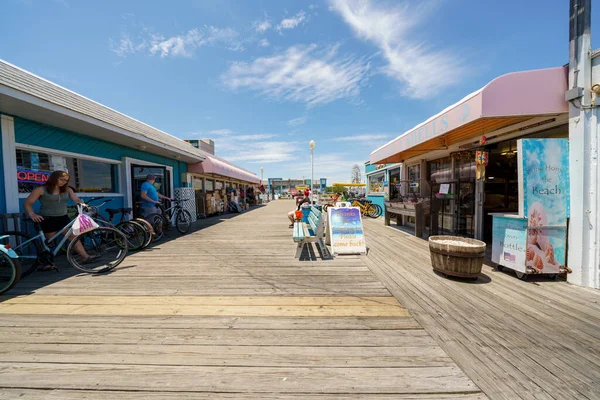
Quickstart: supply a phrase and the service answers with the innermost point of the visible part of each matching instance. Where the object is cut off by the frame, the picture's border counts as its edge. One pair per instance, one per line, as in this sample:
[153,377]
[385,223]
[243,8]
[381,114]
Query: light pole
[261,179]
[311,144]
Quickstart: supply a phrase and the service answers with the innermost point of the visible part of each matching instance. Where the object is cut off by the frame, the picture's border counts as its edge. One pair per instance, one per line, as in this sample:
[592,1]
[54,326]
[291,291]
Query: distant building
[207,145]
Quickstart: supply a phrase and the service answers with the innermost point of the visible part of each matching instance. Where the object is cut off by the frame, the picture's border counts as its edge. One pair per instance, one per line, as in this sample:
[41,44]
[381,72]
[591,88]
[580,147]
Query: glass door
[138,176]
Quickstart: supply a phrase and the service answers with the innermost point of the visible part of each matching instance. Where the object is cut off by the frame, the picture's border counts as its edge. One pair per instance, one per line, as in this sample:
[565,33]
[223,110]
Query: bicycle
[331,202]
[161,222]
[106,248]
[368,208]
[10,267]
[137,232]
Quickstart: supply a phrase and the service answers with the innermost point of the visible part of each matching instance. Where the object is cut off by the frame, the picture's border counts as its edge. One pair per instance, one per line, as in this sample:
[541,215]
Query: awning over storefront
[213,165]
[507,100]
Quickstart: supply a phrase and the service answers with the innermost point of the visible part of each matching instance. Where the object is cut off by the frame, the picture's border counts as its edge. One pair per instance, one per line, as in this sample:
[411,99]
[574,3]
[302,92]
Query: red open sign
[27,176]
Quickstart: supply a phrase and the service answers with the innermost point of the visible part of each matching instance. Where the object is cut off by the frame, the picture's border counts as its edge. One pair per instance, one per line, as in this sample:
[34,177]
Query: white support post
[584,227]
[9,159]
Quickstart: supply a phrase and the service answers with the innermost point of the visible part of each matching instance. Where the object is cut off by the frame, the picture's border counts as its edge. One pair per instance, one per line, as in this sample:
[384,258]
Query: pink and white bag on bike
[83,223]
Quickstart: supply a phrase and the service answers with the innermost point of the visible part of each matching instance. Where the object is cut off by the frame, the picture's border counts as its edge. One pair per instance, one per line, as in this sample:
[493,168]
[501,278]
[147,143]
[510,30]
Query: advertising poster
[509,242]
[544,175]
[346,230]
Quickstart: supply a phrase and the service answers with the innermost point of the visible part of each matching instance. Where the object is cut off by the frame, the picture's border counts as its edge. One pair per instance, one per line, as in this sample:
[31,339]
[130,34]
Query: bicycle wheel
[106,248]
[10,272]
[26,248]
[135,233]
[376,211]
[183,221]
[159,224]
[149,230]
[325,207]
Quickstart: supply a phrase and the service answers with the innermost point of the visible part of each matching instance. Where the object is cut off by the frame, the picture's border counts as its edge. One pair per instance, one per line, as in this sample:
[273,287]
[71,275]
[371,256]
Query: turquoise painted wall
[2,197]
[376,199]
[36,134]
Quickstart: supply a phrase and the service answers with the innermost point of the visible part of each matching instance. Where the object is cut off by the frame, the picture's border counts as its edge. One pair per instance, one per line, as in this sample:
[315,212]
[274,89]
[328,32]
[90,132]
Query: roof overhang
[507,100]
[215,166]
[14,102]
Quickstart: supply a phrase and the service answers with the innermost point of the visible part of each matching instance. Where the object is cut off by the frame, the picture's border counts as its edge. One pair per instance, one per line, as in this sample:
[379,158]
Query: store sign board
[28,176]
[509,242]
[346,230]
[544,177]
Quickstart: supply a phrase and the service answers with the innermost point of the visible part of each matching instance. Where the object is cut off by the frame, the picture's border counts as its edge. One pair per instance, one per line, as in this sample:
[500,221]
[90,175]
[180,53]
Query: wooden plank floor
[538,339]
[224,312]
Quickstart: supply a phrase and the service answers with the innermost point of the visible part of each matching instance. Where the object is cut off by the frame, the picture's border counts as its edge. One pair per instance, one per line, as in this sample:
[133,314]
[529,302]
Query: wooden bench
[311,232]
[402,210]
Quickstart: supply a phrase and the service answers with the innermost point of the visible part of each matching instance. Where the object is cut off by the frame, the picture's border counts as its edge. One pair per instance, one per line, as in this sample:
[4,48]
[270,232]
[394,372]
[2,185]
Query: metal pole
[312,174]
[584,169]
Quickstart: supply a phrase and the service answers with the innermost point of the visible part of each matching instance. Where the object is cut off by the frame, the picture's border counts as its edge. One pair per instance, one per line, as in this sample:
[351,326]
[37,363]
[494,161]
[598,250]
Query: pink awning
[216,166]
[506,100]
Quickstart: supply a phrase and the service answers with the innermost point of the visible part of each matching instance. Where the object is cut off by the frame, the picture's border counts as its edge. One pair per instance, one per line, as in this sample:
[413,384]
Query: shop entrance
[138,176]
[453,195]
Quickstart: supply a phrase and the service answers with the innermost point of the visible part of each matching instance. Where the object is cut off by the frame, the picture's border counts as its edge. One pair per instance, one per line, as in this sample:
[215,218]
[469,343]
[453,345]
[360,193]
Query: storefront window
[218,185]
[376,183]
[210,185]
[441,170]
[414,179]
[197,183]
[34,168]
[395,183]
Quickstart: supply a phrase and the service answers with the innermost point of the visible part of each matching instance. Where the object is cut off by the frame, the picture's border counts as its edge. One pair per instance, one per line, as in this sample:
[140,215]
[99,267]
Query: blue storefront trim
[32,133]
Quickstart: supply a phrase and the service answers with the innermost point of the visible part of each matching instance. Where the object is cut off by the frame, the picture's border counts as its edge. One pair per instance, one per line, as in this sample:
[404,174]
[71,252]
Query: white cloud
[260,136]
[183,45]
[262,26]
[358,138]
[336,167]
[292,22]
[220,132]
[264,43]
[297,121]
[423,71]
[313,6]
[123,47]
[263,152]
[301,74]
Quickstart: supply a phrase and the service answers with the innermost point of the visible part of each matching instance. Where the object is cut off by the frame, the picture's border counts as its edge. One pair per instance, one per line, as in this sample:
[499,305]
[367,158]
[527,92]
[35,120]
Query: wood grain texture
[224,312]
[515,339]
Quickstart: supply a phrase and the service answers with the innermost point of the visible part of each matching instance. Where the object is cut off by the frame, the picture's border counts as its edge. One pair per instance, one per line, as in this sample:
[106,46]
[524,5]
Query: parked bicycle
[331,202]
[105,247]
[368,208]
[138,233]
[10,266]
[161,222]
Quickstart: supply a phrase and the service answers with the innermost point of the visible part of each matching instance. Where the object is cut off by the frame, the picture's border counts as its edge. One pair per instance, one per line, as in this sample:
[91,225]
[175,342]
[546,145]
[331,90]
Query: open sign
[27,176]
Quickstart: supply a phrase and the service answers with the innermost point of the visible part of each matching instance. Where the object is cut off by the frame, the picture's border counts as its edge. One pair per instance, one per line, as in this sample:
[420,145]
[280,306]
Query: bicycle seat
[113,211]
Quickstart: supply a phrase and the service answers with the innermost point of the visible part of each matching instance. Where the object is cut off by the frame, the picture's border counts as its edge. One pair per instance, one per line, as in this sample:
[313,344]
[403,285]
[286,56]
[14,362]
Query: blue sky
[263,78]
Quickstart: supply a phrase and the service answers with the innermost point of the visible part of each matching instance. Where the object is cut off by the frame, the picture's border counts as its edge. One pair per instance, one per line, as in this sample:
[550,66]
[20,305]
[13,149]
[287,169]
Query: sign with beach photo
[544,179]
[346,230]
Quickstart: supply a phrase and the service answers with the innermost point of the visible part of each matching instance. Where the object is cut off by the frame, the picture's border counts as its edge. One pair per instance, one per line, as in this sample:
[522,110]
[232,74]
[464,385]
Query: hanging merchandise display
[481,161]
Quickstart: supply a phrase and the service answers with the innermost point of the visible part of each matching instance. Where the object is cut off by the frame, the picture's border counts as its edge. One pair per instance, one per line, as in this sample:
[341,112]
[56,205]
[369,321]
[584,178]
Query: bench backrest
[316,222]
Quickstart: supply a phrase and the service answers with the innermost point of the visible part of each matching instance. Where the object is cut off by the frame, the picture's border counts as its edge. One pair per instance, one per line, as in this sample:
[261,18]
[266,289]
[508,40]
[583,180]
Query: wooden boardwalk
[224,312]
[533,340]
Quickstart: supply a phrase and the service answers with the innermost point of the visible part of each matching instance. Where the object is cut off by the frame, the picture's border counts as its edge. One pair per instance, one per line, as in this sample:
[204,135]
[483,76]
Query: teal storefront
[106,153]
[381,182]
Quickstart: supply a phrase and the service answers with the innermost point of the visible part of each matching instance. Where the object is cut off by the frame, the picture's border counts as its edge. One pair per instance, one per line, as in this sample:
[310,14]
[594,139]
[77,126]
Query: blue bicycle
[10,267]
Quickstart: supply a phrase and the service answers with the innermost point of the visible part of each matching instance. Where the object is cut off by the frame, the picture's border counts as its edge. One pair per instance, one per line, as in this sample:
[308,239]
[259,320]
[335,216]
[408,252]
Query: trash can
[305,212]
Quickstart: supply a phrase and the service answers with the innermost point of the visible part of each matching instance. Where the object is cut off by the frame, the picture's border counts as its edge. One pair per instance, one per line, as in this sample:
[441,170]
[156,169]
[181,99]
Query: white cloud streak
[264,43]
[183,45]
[263,26]
[292,22]
[297,121]
[219,132]
[301,74]
[423,71]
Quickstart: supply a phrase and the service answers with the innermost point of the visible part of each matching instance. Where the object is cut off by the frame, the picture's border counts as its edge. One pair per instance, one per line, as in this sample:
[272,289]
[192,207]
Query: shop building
[383,182]
[440,155]
[45,127]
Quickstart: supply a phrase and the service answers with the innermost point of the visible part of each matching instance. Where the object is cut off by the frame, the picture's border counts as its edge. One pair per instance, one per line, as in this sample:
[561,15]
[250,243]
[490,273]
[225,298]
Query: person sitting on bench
[291,213]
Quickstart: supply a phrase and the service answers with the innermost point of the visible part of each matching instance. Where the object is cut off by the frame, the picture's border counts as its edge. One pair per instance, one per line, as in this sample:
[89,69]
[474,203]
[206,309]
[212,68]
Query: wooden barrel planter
[457,256]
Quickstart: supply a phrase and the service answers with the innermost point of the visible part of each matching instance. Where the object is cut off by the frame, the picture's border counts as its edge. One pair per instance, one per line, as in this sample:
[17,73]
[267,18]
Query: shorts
[54,224]
[146,211]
